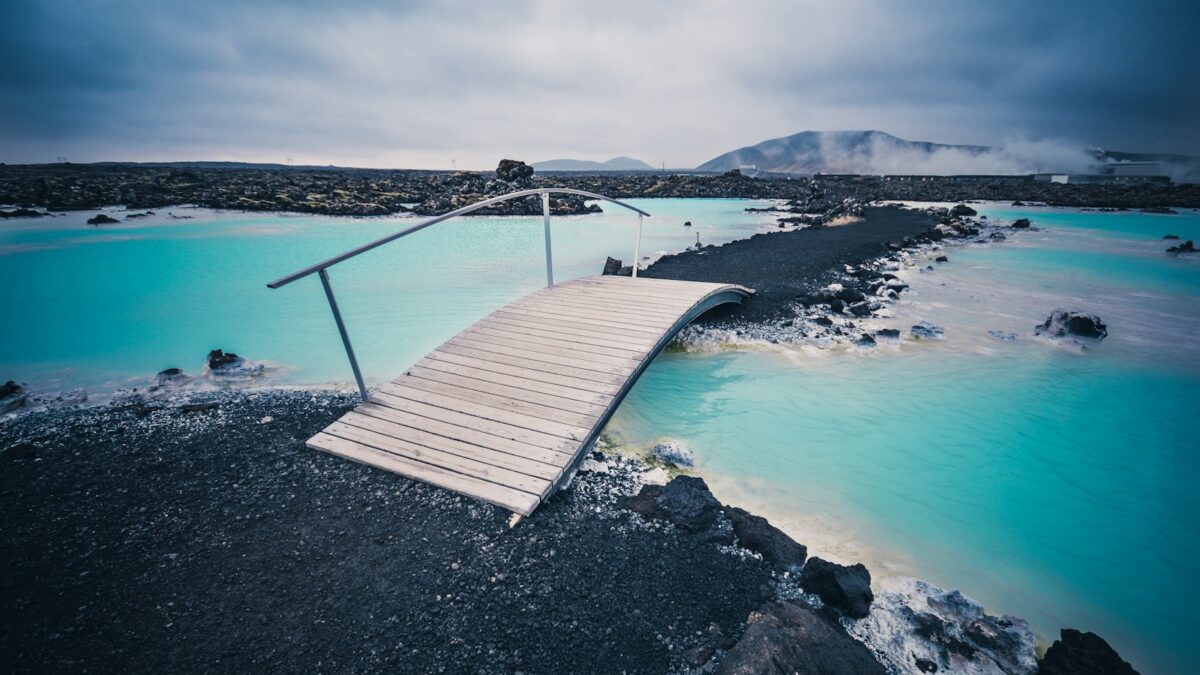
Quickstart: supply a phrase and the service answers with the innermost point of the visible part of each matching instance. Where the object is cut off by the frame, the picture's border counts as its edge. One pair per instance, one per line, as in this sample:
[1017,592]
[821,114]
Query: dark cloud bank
[423,84]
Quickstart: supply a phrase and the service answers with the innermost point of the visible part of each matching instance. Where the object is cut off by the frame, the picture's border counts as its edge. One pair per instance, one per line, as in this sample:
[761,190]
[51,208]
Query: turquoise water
[1045,481]
[107,307]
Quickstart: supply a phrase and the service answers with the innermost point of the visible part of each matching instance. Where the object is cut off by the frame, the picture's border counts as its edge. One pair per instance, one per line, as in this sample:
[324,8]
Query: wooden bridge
[505,411]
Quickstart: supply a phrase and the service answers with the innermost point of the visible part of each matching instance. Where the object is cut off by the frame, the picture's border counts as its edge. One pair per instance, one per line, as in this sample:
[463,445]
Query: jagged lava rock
[1021,223]
[685,502]
[101,219]
[1077,653]
[786,638]
[512,170]
[845,588]
[612,266]
[12,396]
[963,210]
[928,331]
[1061,322]
[759,535]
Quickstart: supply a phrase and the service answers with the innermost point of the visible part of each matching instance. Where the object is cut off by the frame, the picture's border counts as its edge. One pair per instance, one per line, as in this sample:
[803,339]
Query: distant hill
[811,152]
[614,164]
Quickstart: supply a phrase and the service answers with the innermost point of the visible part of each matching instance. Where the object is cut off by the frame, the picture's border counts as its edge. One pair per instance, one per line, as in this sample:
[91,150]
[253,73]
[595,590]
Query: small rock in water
[1077,653]
[1060,323]
[928,331]
[1002,335]
[101,219]
[12,396]
[963,210]
[611,266]
[1021,223]
[228,364]
[1170,237]
[941,258]
[845,588]
[674,452]
[172,377]
[1186,247]
[888,334]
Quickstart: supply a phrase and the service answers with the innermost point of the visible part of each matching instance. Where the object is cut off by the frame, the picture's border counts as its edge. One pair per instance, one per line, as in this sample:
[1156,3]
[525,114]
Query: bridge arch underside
[505,411]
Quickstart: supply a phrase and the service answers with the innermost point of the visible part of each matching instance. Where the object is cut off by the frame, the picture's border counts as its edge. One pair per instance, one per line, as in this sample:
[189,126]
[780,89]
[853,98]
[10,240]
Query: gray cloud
[416,84]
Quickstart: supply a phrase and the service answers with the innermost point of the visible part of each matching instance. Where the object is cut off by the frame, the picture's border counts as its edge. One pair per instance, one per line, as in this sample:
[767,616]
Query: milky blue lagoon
[1050,482]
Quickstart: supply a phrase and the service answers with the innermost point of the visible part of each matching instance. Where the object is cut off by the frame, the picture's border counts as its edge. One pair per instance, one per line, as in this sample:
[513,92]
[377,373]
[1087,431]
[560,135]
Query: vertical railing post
[549,257]
[637,247]
[337,317]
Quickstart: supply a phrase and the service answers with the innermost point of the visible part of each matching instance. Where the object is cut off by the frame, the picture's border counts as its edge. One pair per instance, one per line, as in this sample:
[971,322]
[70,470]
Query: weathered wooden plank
[496,467]
[550,353]
[580,384]
[583,323]
[495,400]
[529,360]
[648,298]
[608,307]
[505,497]
[569,338]
[488,412]
[552,345]
[457,432]
[615,335]
[469,421]
[511,381]
[582,315]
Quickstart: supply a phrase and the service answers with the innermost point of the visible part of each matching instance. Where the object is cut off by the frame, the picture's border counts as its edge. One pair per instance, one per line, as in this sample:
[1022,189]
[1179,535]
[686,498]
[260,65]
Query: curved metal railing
[320,268]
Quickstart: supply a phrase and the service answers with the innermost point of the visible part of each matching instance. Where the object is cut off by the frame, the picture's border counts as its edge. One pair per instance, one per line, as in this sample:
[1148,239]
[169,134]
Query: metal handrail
[321,268]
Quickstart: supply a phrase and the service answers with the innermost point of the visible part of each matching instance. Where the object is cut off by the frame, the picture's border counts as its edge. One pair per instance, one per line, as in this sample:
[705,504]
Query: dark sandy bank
[781,266]
[216,541]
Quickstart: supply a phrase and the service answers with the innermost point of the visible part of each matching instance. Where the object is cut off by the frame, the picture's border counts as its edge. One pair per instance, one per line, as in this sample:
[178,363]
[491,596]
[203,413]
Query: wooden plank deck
[504,411]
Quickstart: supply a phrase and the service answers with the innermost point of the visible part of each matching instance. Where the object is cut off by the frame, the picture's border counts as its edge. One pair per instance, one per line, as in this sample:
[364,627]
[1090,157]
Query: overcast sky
[415,84]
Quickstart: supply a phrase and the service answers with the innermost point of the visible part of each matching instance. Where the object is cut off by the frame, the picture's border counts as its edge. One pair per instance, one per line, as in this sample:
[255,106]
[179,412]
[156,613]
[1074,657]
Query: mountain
[808,152]
[614,164]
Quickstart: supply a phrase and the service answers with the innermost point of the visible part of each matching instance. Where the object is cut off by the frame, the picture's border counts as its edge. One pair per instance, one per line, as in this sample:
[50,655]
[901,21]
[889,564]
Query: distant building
[1101,178]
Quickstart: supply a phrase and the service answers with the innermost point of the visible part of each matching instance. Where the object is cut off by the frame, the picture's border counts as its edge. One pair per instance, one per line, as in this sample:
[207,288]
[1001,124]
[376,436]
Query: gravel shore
[217,541]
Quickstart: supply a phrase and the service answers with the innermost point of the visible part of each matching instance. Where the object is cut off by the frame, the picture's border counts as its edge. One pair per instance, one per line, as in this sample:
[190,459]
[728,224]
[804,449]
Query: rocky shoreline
[203,534]
[46,188]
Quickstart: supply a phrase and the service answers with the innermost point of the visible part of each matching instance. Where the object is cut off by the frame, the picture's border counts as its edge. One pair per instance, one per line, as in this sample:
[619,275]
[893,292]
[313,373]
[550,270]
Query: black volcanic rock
[845,588]
[1077,653]
[512,170]
[963,210]
[1060,323]
[685,502]
[1186,247]
[758,535]
[785,638]
[1021,223]
[101,219]
[611,266]
[12,396]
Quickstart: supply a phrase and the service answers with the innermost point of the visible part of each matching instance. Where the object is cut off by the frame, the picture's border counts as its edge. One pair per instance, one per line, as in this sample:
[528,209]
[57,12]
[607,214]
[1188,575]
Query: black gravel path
[783,265]
[216,541]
